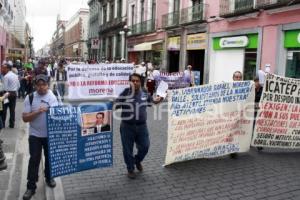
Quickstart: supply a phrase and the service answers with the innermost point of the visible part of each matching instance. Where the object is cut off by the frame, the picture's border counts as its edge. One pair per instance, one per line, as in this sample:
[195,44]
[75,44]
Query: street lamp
[124,32]
[30,46]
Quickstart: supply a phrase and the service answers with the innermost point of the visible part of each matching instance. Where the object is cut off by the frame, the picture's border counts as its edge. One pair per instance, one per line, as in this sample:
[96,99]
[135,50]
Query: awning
[146,46]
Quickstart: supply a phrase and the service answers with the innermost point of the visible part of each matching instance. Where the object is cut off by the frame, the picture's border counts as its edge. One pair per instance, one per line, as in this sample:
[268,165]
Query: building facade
[112,18]
[76,35]
[249,35]
[145,38]
[93,42]
[58,39]
[186,35]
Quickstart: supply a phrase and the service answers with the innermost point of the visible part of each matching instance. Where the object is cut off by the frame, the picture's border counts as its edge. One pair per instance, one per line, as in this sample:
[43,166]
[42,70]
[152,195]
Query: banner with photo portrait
[209,121]
[278,119]
[79,138]
[97,81]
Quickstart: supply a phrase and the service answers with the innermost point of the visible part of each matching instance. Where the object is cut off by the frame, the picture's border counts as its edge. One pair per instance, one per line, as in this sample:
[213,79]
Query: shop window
[293,64]
[250,65]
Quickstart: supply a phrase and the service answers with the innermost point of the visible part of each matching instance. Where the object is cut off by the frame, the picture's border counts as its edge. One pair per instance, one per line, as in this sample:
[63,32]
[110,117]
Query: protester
[61,78]
[258,93]
[189,75]
[35,108]
[150,80]
[11,85]
[133,127]
[237,76]
[41,68]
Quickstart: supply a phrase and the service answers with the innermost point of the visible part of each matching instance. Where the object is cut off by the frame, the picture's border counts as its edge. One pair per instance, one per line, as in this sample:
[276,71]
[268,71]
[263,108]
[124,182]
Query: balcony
[267,4]
[230,8]
[111,25]
[170,19]
[192,14]
[143,27]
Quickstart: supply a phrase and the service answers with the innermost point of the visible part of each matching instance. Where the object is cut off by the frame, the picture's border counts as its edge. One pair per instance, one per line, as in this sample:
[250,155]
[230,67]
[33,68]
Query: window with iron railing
[143,27]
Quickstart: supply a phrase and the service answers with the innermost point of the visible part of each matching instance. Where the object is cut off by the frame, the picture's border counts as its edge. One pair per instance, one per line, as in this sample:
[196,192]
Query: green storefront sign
[292,39]
[252,42]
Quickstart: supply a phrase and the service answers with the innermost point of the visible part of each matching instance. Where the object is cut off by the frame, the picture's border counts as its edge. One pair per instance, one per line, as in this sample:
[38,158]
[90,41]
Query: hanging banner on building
[174,43]
[209,121]
[278,120]
[79,138]
[95,43]
[174,80]
[196,41]
[100,81]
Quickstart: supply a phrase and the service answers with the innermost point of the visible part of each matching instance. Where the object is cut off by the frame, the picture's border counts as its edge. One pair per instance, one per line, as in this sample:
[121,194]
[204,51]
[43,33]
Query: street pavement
[270,174]
[15,146]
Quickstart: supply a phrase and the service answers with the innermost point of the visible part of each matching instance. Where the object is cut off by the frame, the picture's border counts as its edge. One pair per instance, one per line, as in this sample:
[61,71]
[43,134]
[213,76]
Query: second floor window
[104,13]
[142,10]
[132,14]
[119,8]
[112,11]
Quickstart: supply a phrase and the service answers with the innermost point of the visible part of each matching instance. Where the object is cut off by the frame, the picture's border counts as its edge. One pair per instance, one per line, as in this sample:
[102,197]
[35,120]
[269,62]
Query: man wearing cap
[11,85]
[35,114]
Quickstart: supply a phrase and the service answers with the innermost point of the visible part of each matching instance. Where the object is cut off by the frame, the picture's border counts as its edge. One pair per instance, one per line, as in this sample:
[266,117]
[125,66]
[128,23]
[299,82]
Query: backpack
[30,98]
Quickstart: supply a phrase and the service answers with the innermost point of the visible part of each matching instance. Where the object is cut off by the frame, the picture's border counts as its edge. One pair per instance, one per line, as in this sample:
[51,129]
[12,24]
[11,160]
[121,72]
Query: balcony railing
[170,19]
[230,8]
[192,14]
[107,26]
[143,27]
[265,4]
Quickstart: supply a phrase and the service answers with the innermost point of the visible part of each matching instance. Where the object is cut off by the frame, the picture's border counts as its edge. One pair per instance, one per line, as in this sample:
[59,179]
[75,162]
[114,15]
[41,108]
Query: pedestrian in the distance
[35,108]
[134,101]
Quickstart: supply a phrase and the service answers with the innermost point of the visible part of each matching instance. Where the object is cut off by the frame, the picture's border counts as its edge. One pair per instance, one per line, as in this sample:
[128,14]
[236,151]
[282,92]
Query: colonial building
[76,35]
[93,36]
[58,39]
[186,35]
[145,34]
[112,17]
[249,35]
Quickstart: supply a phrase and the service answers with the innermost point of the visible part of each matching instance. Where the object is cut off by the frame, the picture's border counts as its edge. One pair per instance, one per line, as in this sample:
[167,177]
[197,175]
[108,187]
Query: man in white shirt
[35,108]
[11,84]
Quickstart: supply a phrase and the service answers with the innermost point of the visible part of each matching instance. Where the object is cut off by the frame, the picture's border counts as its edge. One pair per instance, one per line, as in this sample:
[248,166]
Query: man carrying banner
[133,129]
[35,108]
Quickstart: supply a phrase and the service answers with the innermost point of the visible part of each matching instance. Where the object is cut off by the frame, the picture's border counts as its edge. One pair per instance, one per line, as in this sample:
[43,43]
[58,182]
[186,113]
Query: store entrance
[173,59]
[293,64]
[196,59]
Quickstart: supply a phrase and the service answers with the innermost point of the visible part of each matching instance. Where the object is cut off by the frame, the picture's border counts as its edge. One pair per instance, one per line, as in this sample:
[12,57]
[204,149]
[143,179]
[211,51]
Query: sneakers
[51,183]
[131,175]
[28,194]
[139,166]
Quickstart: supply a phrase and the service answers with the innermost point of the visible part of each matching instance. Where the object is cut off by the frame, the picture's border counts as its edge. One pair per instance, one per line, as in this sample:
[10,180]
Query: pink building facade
[250,35]
[145,39]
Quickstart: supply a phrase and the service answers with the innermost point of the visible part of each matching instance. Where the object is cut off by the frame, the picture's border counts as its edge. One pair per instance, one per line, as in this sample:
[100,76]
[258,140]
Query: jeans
[130,134]
[61,89]
[12,106]
[36,145]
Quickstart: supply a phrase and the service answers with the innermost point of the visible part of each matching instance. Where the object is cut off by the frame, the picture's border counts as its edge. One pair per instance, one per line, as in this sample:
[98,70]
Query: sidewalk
[13,179]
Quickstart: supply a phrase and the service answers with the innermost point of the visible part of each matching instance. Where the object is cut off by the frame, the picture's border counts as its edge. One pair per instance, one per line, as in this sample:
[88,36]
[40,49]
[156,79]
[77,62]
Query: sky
[42,15]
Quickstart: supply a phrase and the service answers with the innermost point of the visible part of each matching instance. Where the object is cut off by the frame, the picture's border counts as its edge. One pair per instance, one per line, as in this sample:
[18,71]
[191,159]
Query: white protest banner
[278,120]
[175,80]
[209,121]
[99,81]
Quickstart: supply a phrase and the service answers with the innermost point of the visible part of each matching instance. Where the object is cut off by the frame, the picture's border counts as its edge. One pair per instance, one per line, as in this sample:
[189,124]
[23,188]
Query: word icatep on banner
[278,120]
[209,121]
[99,81]
[76,142]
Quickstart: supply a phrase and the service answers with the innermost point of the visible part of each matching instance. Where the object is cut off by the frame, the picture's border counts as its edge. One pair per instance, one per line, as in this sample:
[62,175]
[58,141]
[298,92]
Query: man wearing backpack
[35,107]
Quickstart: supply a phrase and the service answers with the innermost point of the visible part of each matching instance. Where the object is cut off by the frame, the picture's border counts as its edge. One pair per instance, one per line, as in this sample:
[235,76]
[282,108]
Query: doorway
[293,64]
[196,59]
[173,61]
